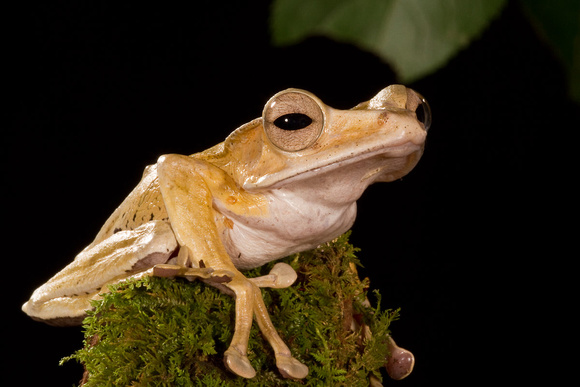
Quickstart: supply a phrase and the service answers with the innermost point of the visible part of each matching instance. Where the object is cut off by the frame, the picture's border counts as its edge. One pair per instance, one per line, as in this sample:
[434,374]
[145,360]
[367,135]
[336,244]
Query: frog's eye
[293,120]
[418,104]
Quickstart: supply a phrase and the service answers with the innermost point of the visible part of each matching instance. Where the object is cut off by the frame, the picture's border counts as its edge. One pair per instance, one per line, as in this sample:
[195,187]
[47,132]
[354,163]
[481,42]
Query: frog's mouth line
[403,151]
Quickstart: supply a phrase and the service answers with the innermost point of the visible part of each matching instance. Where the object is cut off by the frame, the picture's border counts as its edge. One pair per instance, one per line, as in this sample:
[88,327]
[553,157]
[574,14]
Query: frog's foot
[400,361]
[289,367]
[281,276]
[204,273]
[238,363]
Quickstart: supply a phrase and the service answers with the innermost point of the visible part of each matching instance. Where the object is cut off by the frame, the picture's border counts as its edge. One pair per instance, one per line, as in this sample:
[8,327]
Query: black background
[465,244]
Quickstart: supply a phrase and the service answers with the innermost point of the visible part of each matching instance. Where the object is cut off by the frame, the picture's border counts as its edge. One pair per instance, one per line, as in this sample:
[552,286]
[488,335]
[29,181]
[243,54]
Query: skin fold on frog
[280,184]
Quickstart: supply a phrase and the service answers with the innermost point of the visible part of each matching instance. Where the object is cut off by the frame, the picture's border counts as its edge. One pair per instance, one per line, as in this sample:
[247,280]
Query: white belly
[293,224]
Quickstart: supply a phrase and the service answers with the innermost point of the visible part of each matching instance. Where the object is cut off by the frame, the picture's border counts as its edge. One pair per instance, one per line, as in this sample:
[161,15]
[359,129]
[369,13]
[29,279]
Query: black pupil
[420,112]
[293,121]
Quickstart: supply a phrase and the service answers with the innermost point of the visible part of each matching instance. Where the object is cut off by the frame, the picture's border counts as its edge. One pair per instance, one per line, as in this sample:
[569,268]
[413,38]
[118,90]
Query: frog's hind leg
[66,297]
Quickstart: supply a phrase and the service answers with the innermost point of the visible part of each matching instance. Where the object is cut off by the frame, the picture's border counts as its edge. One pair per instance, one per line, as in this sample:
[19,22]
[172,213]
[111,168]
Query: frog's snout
[400,97]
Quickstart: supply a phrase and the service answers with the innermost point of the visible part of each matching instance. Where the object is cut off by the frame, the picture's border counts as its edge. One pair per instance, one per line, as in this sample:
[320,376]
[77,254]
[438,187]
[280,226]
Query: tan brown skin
[300,168]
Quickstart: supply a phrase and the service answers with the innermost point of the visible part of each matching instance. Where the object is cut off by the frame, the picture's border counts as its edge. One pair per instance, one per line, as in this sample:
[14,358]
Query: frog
[282,183]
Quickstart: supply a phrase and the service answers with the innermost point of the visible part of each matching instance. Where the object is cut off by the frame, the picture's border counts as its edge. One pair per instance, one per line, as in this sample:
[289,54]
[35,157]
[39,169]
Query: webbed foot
[238,363]
[208,274]
[289,367]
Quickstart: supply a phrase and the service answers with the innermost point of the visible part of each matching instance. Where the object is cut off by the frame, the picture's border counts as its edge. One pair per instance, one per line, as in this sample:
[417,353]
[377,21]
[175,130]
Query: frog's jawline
[399,151]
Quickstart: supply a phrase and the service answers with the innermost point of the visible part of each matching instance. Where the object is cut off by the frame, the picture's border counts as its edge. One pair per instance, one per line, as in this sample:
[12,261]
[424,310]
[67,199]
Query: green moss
[157,331]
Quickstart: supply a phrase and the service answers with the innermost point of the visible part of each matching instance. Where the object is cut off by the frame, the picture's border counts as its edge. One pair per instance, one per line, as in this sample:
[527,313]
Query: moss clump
[157,331]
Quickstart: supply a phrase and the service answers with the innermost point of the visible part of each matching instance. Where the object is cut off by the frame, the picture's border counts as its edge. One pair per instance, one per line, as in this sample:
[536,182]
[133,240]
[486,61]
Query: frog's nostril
[423,112]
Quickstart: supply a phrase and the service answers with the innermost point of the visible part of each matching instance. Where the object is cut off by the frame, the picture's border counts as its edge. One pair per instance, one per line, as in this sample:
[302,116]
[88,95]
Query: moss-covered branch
[157,331]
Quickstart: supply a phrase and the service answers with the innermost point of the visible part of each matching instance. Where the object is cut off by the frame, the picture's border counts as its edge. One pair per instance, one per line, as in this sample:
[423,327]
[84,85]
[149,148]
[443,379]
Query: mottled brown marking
[228,223]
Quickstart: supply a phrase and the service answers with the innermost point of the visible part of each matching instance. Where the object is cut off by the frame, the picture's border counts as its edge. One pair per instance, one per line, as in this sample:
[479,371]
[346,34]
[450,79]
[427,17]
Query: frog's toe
[400,362]
[285,275]
[290,367]
[238,363]
[282,275]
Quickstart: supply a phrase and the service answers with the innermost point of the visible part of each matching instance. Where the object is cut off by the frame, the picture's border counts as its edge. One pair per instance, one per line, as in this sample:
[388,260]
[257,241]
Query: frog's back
[144,204]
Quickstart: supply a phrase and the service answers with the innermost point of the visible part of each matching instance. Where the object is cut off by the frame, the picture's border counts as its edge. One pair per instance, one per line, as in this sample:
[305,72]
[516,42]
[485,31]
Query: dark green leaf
[559,24]
[415,37]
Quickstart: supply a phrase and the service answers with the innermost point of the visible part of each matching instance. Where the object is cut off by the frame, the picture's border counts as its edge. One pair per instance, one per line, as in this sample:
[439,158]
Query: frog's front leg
[189,187]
